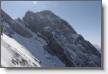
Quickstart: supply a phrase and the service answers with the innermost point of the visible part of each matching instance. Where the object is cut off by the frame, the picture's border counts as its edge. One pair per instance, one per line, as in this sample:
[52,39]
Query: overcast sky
[84,16]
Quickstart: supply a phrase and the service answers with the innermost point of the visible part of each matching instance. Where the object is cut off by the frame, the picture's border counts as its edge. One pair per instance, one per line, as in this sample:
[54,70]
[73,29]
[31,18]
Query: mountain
[98,47]
[43,39]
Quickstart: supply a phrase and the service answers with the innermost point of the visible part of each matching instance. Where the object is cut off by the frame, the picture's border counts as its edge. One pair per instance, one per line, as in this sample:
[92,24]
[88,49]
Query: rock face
[17,27]
[61,39]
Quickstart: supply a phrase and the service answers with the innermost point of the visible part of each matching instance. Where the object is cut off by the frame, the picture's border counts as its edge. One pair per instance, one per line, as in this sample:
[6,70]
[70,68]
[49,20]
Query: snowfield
[11,49]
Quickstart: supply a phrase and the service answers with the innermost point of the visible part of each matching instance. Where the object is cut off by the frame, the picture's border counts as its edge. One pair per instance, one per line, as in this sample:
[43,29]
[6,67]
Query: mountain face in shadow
[51,35]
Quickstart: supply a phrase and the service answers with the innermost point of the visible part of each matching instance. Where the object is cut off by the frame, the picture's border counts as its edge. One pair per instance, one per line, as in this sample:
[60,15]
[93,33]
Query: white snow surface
[9,49]
[29,49]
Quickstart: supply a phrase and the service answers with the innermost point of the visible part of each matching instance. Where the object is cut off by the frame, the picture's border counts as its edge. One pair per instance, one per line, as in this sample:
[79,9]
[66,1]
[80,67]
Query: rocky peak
[46,13]
[46,18]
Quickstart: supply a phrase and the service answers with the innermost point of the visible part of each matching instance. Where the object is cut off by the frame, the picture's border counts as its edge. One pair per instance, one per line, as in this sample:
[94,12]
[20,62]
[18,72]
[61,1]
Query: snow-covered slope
[43,39]
[15,43]
[30,50]
[15,55]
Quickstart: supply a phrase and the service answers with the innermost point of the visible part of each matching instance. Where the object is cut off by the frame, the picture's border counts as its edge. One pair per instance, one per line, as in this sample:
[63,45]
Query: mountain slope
[50,41]
[15,55]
